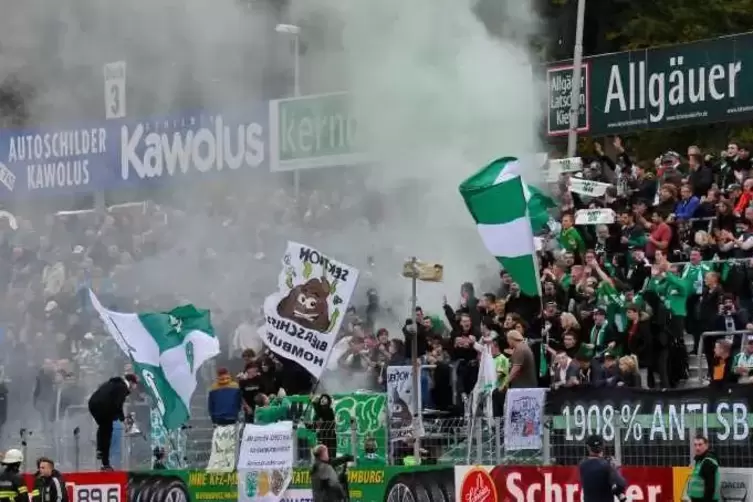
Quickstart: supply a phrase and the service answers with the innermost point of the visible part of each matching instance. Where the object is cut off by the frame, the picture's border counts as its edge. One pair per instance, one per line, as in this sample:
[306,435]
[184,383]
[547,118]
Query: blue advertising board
[132,153]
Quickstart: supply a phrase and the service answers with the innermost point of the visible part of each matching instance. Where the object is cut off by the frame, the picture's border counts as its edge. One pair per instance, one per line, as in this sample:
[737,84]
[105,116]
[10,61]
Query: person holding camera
[326,484]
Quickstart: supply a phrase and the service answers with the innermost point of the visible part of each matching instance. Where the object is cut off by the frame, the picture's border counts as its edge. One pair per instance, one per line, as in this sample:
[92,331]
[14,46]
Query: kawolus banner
[117,154]
[56,161]
[191,146]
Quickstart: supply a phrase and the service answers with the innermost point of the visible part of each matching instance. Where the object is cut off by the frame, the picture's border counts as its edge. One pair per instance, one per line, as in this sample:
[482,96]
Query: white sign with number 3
[115,90]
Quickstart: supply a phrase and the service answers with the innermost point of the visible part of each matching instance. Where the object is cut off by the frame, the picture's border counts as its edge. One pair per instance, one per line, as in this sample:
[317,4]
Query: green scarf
[597,334]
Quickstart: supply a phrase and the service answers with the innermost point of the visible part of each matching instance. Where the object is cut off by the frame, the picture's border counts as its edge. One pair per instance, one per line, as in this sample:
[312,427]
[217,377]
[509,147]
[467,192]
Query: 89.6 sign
[93,486]
[94,493]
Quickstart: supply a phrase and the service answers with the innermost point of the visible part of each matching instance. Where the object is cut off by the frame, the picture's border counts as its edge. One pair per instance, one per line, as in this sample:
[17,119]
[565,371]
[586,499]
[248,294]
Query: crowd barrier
[639,426]
[487,483]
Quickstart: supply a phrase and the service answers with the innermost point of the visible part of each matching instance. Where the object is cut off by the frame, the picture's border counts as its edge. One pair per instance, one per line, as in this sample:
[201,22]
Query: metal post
[77,447]
[24,433]
[572,136]
[498,431]
[416,366]
[353,438]
[296,93]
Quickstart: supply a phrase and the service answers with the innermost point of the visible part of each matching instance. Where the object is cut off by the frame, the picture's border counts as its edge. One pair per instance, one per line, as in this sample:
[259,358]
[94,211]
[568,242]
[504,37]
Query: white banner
[304,315]
[524,419]
[557,167]
[265,463]
[588,187]
[224,441]
[594,217]
[400,398]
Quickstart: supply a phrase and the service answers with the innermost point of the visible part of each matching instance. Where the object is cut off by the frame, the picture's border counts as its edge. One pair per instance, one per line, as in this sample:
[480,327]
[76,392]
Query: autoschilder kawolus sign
[637,418]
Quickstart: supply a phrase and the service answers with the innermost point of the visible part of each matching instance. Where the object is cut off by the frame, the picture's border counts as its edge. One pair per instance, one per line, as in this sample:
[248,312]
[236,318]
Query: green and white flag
[167,349]
[495,198]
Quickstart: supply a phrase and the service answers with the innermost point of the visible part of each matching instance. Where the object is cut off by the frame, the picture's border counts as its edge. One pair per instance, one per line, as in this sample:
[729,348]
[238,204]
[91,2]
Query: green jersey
[695,274]
[673,291]
[614,303]
[571,241]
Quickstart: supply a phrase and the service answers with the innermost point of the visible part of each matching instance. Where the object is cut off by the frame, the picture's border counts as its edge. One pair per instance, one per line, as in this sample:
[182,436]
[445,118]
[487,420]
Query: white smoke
[436,98]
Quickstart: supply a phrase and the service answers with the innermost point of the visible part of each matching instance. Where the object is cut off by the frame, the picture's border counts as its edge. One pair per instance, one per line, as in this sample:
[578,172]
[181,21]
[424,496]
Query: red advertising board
[92,486]
[554,484]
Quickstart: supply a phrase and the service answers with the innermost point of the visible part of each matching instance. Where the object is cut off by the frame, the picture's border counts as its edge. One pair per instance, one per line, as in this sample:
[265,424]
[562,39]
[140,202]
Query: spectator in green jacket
[270,410]
[370,455]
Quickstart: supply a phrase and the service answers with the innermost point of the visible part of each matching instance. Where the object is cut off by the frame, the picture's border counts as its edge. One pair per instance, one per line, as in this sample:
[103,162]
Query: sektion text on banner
[303,317]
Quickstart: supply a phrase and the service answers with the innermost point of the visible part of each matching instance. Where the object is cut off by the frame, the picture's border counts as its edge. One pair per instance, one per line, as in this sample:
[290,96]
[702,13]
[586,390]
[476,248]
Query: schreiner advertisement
[554,484]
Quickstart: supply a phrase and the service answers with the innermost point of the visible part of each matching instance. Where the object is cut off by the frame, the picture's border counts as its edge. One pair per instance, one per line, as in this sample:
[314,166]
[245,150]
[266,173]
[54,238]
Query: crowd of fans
[617,299]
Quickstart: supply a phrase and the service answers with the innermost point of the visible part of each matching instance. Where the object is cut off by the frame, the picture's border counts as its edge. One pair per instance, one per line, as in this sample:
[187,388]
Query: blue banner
[132,153]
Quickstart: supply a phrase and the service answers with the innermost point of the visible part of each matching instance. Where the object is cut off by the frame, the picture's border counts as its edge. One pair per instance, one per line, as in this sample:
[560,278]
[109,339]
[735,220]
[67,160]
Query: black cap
[600,310]
[595,443]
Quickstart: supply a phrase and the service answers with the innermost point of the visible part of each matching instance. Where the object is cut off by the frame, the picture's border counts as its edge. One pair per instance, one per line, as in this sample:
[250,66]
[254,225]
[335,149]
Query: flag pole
[544,331]
[415,363]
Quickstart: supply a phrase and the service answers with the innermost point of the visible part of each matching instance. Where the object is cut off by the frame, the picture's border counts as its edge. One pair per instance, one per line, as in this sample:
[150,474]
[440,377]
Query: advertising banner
[190,146]
[647,418]
[121,153]
[314,131]
[549,484]
[737,484]
[428,483]
[304,315]
[672,86]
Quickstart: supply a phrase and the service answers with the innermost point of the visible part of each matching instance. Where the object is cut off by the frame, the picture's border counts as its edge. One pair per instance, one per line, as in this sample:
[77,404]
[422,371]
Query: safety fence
[639,426]
[488,482]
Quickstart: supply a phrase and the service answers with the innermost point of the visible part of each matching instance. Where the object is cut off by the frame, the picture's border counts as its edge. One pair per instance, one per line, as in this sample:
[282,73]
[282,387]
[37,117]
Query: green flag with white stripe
[496,199]
[166,349]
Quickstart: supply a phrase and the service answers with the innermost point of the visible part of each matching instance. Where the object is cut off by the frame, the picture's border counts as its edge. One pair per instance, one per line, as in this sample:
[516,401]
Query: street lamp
[294,31]
[417,270]
[572,136]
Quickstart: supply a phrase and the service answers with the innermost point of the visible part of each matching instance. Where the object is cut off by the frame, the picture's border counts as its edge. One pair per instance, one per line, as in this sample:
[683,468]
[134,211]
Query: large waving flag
[495,197]
[167,349]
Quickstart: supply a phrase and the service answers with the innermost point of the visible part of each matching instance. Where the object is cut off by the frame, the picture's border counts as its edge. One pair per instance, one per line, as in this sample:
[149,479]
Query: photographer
[326,485]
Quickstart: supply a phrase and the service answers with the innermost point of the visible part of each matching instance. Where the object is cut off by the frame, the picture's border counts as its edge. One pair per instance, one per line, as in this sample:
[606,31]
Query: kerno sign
[199,143]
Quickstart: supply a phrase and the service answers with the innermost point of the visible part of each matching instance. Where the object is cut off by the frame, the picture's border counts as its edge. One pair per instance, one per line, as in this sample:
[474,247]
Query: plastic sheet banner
[538,484]
[265,462]
[369,409]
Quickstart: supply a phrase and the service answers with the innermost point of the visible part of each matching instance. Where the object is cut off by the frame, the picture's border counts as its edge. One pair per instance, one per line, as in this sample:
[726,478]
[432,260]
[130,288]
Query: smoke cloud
[439,89]
[436,96]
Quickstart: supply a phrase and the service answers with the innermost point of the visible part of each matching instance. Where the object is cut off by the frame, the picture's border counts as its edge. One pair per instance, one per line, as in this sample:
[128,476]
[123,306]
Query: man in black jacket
[106,406]
[600,480]
[49,485]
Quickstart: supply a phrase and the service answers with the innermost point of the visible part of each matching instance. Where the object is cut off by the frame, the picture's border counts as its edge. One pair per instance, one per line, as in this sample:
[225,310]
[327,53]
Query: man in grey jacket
[325,485]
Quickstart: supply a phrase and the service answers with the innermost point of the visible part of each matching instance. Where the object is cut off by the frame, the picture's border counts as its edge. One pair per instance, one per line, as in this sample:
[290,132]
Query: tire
[399,489]
[420,492]
[150,491]
[434,481]
[173,489]
[136,486]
